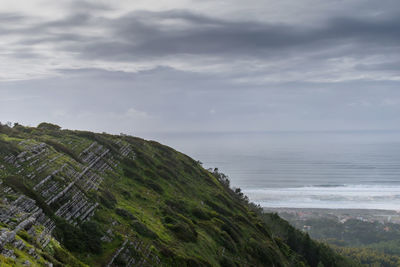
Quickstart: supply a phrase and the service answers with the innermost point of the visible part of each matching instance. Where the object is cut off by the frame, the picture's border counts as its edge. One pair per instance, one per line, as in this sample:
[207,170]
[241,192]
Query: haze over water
[358,170]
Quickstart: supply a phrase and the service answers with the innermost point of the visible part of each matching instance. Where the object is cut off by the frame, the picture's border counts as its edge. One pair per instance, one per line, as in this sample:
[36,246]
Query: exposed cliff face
[77,198]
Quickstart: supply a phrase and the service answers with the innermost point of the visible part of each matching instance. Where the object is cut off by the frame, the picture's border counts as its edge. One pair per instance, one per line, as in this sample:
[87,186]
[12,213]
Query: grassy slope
[171,210]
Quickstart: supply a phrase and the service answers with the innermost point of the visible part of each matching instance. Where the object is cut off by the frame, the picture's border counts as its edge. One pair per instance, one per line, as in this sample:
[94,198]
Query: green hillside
[75,198]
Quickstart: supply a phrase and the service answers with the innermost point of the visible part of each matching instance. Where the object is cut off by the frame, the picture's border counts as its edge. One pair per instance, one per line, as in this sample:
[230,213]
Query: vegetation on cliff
[79,198]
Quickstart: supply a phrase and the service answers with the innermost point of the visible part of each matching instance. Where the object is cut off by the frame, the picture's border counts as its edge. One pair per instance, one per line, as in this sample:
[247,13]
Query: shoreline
[330,209]
[367,215]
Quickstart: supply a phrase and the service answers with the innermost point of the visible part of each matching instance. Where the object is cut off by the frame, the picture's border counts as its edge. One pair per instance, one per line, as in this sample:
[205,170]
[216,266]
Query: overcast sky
[184,65]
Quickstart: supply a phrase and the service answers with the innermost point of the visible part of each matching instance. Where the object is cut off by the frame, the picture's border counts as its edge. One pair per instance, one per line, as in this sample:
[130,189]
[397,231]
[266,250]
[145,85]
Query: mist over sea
[357,170]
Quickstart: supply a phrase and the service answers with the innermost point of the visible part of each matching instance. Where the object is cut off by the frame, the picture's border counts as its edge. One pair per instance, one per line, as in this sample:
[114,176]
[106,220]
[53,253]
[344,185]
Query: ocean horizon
[333,170]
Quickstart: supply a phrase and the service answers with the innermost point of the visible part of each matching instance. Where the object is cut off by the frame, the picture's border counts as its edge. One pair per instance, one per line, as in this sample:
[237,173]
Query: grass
[163,199]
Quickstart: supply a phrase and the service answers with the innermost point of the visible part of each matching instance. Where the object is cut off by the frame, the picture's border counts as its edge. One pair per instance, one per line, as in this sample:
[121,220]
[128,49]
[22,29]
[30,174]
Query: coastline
[367,215]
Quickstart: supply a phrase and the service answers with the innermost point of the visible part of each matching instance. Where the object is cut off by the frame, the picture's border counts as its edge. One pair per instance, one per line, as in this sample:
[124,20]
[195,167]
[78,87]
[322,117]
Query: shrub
[228,242]
[62,149]
[7,148]
[129,173]
[129,163]
[125,214]
[70,236]
[169,220]
[126,194]
[230,229]
[154,186]
[200,213]
[165,151]
[226,262]
[79,239]
[166,172]
[49,126]
[218,208]
[150,174]
[177,205]
[183,231]
[142,229]
[108,199]
[92,236]
[144,159]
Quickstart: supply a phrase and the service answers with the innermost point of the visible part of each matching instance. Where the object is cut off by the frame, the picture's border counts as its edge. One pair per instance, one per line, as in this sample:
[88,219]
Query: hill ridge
[76,198]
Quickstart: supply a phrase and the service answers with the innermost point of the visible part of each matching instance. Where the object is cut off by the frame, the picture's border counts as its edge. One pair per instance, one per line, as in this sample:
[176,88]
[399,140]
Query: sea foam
[329,196]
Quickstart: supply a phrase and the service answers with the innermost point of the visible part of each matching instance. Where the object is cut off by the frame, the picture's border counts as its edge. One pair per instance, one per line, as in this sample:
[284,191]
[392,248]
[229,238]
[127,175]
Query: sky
[201,66]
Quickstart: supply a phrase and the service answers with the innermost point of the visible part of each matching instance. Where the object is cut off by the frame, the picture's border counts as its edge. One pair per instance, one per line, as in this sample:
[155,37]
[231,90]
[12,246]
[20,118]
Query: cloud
[337,48]
[164,99]
[196,34]
[194,65]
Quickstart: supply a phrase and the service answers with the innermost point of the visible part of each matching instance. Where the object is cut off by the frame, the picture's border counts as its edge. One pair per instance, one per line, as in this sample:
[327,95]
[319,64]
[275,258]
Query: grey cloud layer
[168,100]
[142,35]
[185,70]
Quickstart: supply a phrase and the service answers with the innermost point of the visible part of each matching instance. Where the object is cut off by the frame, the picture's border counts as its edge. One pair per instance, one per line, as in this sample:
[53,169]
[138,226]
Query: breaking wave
[329,196]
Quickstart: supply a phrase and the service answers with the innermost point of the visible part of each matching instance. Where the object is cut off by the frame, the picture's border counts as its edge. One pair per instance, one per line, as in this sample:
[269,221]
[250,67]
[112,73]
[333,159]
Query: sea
[332,170]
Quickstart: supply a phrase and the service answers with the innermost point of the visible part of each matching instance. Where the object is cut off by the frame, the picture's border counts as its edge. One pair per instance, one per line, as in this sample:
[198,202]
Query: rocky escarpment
[41,183]
[74,198]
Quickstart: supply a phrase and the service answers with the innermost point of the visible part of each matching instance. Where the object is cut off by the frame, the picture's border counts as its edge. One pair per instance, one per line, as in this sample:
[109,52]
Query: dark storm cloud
[146,34]
[141,35]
